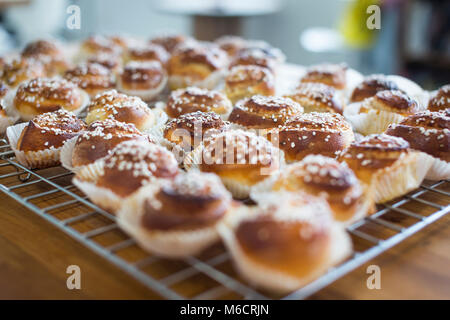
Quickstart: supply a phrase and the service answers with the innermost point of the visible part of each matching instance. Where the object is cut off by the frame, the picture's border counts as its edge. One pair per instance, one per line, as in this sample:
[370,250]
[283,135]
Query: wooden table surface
[34,256]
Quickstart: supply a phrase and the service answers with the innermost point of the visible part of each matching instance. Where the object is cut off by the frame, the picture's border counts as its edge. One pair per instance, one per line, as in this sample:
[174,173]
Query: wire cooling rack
[51,194]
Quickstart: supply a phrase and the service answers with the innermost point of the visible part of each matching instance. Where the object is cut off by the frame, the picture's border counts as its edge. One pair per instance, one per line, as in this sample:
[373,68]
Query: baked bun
[113,105]
[248,80]
[312,133]
[37,144]
[177,218]
[428,132]
[375,114]
[186,132]
[255,56]
[334,75]
[193,99]
[260,112]
[129,166]
[196,64]
[20,70]
[440,100]
[322,177]
[91,77]
[387,164]
[231,44]
[5,119]
[317,97]
[240,158]
[49,53]
[371,85]
[42,95]
[170,42]
[148,52]
[100,138]
[285,243]
[97,44]
[110,61]
[144,79]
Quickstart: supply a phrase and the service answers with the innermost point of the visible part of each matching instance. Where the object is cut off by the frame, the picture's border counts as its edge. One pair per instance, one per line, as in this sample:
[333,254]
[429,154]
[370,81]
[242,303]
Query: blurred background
[414,38]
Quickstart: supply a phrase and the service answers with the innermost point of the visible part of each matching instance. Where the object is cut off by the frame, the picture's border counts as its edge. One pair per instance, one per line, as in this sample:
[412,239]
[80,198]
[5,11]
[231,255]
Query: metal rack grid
[51,194]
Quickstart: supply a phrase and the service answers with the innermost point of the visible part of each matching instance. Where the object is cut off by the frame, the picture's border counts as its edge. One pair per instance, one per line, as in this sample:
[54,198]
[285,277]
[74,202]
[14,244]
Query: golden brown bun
[43,95]
[194,127]
[148,52]
[239,155]
[333,75]
[110,61]
[113,105]
[191,201]
[193,99]
[91,77]
[2,62]
[312,133]
[325,177]
[391,101]
[145,75]
[247,80]
[373,153]
[49,53]
[370,86]
[4,89]
[20,70]
[317,97]
[260,112]
[254,56]
[231,44]
[133,164]
[100,138]
[195,62]
[99,44]
[170,43]
[440,100]
[425,131]
[50,130]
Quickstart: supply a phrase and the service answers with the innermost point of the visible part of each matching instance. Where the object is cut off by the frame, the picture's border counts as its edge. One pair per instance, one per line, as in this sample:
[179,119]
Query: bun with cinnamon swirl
[37,144]
[285,242]
[327,134]
[128,167]
[177,218]
[387,164]
[248,80]
[193,99]
[42,95]
[428,132]
[94,78]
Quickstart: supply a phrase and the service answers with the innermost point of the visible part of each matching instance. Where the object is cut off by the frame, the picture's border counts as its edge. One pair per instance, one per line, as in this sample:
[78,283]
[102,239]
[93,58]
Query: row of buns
[313,160]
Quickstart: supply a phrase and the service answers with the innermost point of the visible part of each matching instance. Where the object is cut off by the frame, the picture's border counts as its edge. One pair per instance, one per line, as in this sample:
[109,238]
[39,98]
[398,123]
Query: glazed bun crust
[198,124]
[425,131]
[143,75]
[92,77]
[191,201]
[440,100]
[100,138]
[371,86]
[50,130]
[132,164]
[317,97]
[313,133]
[392,101]
[193,99]
[43,95]
[113,105]
[264,112]
[20,70]
[247,80]
[333,75]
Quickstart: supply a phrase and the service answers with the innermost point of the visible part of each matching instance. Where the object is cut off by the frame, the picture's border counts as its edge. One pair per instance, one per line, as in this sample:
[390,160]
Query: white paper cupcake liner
[102,197]
[161,119]
[210,82]
[31,159]
[374,121]
[404,176]
[169,244]
[146,95]
[411,88]
[439,169]
[271,279]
